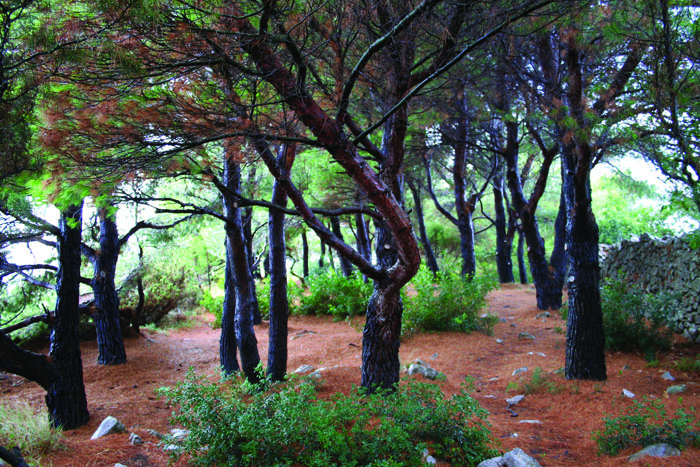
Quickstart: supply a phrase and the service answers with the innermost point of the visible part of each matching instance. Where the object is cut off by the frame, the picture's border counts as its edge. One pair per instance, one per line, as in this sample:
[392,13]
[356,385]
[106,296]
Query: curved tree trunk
[110,341]
[464,206]
[65,396]
[246,304]
[418,205]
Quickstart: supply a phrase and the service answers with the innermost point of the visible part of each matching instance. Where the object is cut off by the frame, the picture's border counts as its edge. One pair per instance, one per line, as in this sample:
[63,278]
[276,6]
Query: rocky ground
[553,425]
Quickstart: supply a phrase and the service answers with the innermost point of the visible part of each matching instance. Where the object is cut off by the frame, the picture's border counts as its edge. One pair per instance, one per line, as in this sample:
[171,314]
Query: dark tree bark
[305,254]
[427,248]
[345,266]
[323,253]
[504,242]
[65,396]
[522,269]
[237,265]
[463,205]
[13,457]
[110,341]
[228,344]
[279,306]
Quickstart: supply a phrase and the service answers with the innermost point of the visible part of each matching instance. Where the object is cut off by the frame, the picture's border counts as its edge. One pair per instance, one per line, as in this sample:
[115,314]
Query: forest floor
[569,411]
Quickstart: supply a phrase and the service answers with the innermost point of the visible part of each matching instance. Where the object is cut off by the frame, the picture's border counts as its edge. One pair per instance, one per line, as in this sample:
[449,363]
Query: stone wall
[661,264]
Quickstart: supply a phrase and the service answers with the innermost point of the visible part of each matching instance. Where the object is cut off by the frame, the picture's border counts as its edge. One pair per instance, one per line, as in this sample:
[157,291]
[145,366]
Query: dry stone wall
[666,264]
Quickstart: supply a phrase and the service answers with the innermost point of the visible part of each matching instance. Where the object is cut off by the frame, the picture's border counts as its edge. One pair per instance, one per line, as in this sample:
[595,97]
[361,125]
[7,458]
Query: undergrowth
[332,294]
[539,382]
[645,423]
[447,302]
[21,426]
[235,424]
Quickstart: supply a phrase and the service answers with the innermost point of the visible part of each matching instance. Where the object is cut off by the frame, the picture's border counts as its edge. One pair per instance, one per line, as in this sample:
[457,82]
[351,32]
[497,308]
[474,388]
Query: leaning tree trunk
[246,306]
[110,341]
[425,241]
[65,397]
[464,206]
[305,253]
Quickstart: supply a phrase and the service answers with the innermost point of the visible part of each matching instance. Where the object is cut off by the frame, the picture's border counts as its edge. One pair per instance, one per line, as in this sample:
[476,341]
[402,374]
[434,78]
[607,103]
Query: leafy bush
[24,301]
[232,423]
[333,294]
[20,426]
[646,423]
[688,364]
[447,302]
[214,305]
[634,321]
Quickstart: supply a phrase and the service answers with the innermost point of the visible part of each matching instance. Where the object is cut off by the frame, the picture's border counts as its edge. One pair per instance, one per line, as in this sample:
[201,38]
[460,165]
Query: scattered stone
[514,458]
[303,369]
[499,341]
[171,447]
[520,370]
[154,433]
[108,425]
[302,334]
[532,422]
[316,375]
[512,325]
[119,465]
[422,368]
[495,378]
[537,353]
[668,377]
[515,399]
[679,389]
[526,335]
[655,450]
[135,439]
[503,320]
[179,433]
[434,356]
[427,458]
[627,393]
[626,367]
[545,314]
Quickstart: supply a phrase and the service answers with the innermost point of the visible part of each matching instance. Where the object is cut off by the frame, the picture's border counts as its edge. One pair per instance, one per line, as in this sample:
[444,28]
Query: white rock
[520,370]
[515,399]
[668,377]
[303,369]
[179,433]
[531,422]
[656,450]
[108,425]
[627,393]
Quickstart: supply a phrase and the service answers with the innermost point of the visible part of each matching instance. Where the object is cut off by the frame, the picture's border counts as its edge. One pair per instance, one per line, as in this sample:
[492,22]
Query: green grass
[21,426]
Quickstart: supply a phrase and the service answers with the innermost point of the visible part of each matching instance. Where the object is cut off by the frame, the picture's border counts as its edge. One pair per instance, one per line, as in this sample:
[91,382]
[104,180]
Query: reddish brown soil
[568,416]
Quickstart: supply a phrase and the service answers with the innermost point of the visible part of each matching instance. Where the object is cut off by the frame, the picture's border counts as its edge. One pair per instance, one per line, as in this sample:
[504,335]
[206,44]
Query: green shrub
[447,302]
[688,364]
[331,293]
[20,426]
[634,321]
[214,305]
[234,424]
[539,382]
[646,423]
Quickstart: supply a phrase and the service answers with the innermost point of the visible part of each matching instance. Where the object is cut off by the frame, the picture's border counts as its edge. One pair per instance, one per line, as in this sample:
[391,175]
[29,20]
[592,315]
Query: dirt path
[567,413]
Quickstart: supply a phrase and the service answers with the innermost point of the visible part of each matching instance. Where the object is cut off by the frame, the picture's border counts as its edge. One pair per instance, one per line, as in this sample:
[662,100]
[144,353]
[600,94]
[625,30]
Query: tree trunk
[345,266]
[504,263]
[522,269]
[323,253]
[110,340]
[228,345]
[279,306]
[585,337]
[464,206]
[65,397]
[559,260]
[427,248]
[305,254]
[246,306]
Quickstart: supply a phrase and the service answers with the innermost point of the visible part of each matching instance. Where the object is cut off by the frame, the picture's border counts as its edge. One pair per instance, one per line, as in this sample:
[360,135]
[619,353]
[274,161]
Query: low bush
[635,321]
[447,302]
[688,364]
[333,294]
[235,424]
[645,423]
[540,382]
[21,426]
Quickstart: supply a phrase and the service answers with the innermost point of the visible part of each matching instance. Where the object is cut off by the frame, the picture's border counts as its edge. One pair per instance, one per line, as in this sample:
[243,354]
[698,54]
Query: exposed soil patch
[568,415]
